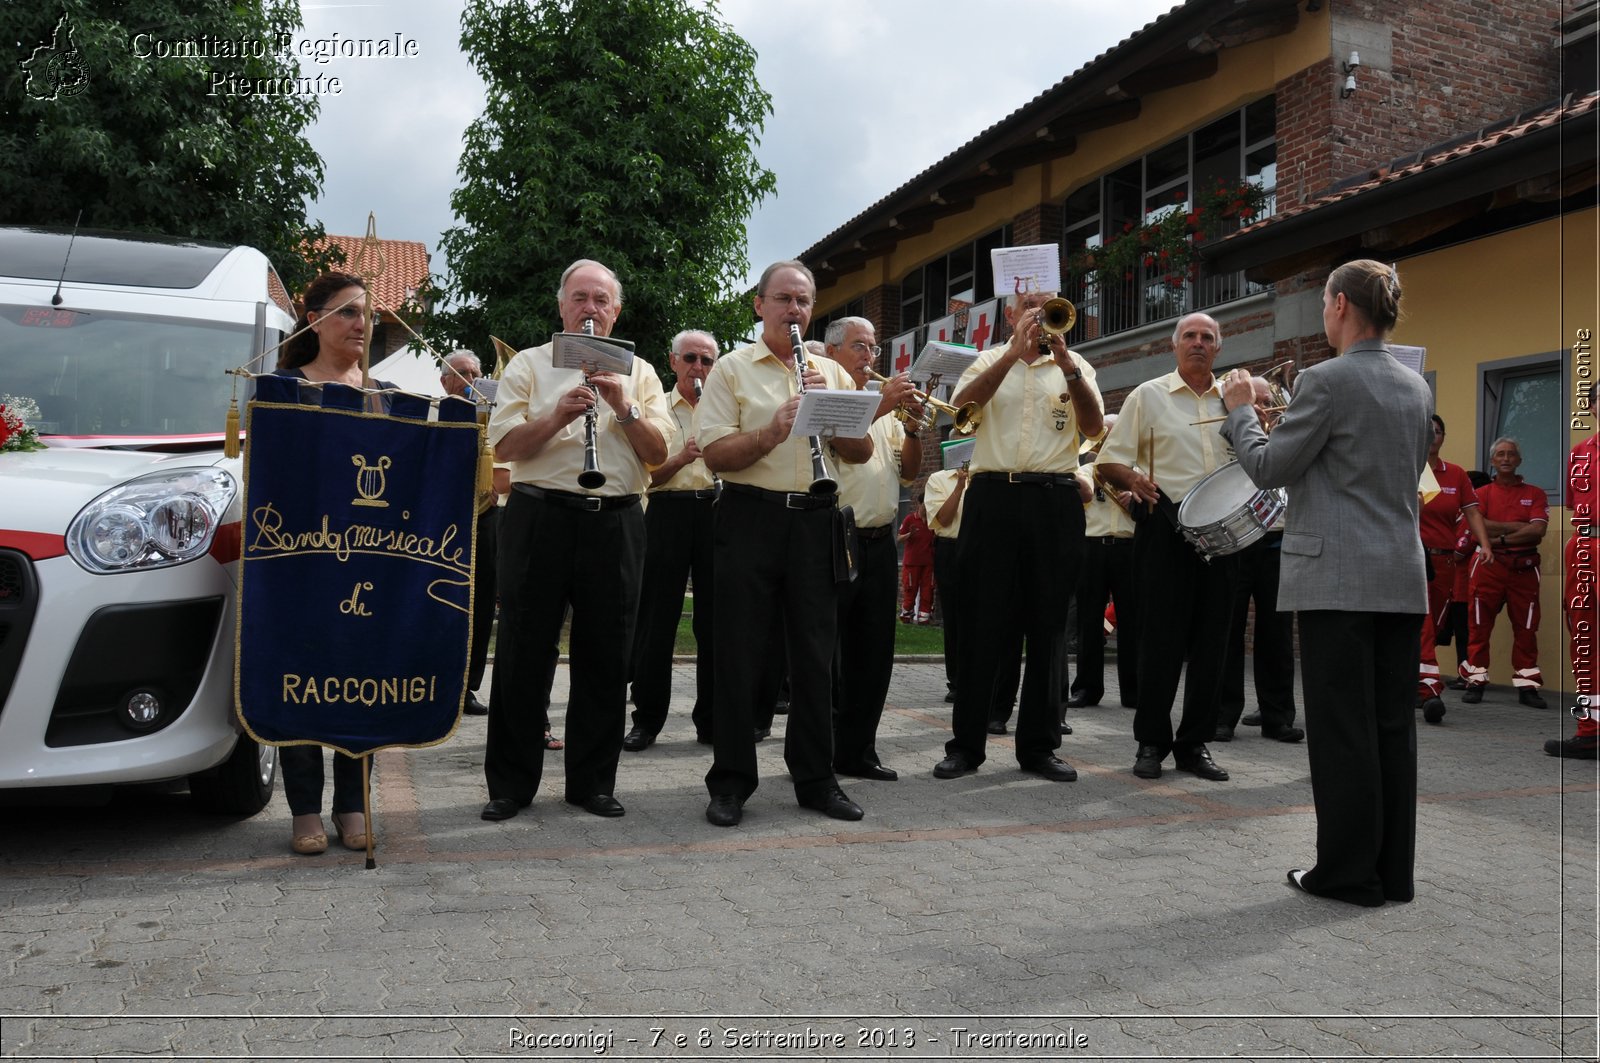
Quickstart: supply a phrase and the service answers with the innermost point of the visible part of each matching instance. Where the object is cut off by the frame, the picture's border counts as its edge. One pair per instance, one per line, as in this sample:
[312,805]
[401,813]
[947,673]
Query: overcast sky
[866,94]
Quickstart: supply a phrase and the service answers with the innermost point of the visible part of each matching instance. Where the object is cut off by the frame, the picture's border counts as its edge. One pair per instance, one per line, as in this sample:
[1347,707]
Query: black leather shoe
[868,771]
[725,810]
[1224,734]
[1295,875]
[1455,682]
[474,707]
[997,727]
[833,804]
[1198,762]
[1251,719]
[1081,700]
[500,808]
[1578,747]
[1147,762]
[1532,698]
[1066,728]
[599,805]
[1053,768]
[1433,710]
[950,697]
[952,767]
[636,740]
[1473,694]
[1283,734]
[763,732]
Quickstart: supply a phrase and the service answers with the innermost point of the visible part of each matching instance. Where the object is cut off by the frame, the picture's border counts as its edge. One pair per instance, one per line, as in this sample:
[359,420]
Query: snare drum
[1226,512]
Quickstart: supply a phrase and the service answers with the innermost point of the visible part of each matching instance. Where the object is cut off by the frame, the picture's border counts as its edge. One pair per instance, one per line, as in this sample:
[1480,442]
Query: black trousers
[1184,605]
[553,558]
[1274,642]
[302,771]
[678,543]
[944,585]
[1019,549]
[863,655]
[772,563]
[1360,686]
[1106,575]
[485,594]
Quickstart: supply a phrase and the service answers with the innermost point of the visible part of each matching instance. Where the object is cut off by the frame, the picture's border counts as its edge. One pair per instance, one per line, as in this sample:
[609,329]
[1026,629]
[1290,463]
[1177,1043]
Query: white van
[119,542]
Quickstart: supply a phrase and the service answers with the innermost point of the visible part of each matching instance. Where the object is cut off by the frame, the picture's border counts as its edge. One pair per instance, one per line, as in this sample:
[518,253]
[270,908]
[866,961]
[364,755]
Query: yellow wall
[1522,292]
[1244,74]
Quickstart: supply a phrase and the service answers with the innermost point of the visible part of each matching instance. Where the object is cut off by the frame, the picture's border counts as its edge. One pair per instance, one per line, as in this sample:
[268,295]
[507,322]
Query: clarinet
[821,482]
[591,477]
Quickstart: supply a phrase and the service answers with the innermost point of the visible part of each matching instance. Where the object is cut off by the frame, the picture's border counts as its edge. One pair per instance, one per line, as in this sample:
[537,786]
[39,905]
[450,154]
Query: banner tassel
[230,430]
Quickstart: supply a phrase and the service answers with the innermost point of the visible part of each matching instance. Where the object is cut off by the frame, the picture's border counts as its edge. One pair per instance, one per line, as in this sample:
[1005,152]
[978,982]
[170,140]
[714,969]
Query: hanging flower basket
[1167,248]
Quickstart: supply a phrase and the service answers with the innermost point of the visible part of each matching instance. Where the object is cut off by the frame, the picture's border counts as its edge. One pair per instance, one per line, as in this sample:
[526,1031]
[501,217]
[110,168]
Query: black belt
[1048,479]
[786,499]
[1439,550]
[872,535]
[1109,540]
[704,492]
[571,500]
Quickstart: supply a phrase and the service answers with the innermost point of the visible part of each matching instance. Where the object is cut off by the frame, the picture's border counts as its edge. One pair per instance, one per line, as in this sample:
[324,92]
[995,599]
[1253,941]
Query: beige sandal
[309,844]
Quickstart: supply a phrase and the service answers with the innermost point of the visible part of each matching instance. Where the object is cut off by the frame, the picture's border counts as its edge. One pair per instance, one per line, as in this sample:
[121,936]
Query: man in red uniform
[1516,515]
[1578,598]
[916,566]
[1437,524]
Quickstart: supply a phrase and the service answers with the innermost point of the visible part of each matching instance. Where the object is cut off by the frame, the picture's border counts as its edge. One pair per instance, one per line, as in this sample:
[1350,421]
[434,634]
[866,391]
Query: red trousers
[916,580]
[1429,685]
[1492,587]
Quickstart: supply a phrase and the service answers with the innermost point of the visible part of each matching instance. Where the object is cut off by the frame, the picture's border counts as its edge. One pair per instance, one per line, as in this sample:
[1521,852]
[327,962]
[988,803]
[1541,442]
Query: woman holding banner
[328,346]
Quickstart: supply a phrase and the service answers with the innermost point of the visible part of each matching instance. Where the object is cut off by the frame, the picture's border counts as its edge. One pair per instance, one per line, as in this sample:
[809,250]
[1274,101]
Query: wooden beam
[1170,75]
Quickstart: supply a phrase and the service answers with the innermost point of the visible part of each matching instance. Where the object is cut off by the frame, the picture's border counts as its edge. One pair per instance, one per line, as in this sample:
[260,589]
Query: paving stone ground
[997,916]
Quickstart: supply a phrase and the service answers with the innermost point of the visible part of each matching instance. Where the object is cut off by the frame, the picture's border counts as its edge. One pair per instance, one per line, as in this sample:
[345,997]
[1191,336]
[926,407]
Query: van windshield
[102,373]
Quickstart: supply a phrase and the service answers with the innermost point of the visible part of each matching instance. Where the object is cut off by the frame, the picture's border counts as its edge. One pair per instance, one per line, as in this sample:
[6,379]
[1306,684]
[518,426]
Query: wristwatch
[633,414]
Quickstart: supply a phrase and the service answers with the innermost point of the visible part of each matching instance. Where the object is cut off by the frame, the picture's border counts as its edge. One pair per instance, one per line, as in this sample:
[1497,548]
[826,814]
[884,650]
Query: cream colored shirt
[935,493]
[1029,424]
[1102,516]
[872,489]
[693,476]
[742,395]
[1185,453]
[531,386]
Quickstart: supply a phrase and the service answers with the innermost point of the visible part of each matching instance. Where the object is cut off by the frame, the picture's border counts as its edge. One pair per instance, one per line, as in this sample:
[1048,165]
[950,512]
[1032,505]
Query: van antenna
[55,300]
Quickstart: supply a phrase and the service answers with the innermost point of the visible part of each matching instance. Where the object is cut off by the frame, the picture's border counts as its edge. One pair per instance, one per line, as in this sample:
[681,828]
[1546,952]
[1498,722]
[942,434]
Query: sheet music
[839,413]
[1410,357]
[947,360]
[575,350]
[954,454]
[486,388]
[1036,268]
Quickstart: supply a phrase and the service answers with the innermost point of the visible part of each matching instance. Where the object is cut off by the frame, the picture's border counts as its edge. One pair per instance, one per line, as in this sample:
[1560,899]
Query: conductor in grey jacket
[1351,449]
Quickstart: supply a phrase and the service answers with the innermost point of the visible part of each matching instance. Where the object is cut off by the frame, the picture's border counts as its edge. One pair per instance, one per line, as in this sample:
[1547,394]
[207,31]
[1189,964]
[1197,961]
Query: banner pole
[366,807]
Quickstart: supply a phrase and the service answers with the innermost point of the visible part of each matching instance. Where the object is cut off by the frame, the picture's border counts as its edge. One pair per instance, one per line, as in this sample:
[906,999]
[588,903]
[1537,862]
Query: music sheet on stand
[837,413]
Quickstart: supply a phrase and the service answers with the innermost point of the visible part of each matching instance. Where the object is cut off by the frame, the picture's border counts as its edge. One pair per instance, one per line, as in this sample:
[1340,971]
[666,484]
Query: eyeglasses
[861,347]
[698,359]
[350,313]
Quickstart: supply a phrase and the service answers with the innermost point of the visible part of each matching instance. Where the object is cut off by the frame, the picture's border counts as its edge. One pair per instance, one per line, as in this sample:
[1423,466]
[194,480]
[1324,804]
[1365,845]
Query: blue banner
[355,587]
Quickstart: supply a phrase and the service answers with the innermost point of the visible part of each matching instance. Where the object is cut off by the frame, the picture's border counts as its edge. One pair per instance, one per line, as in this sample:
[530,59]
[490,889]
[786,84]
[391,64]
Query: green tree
[619,130]
[93,118]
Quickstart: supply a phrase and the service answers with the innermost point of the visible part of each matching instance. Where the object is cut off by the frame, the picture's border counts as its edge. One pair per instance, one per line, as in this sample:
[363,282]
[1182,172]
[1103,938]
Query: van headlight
[165,518]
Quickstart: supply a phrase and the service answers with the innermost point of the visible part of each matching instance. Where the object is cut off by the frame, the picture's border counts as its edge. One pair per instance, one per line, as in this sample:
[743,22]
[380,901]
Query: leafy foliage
[138,142]
[1167,246]
[618,130]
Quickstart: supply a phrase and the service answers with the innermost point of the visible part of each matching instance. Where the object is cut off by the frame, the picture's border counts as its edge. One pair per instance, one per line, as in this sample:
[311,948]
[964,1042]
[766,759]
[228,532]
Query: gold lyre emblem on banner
[370,481]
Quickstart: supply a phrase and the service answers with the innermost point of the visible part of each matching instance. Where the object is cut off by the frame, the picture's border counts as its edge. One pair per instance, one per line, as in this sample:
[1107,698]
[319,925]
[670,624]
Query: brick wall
[1038,225]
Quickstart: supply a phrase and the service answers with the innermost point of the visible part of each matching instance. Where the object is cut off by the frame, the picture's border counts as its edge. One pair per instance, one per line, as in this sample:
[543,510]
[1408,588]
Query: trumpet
[822,483]
[1056,318]
[966,416]
[591,477]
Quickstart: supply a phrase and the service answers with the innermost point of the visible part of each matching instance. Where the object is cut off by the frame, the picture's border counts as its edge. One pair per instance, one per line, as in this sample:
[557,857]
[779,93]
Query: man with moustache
[864,656]
[1184,599]
[677,545]
[774,544]
[596,539]
[1021,536]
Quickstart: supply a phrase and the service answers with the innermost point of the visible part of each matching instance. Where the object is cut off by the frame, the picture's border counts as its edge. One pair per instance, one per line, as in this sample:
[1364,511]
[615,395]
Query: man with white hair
[1515,515]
